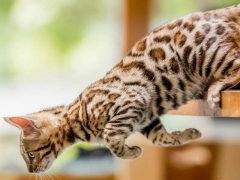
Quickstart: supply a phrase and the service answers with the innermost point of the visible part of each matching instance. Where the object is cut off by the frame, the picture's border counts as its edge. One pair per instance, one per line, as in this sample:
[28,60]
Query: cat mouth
[33,168]
[36,169]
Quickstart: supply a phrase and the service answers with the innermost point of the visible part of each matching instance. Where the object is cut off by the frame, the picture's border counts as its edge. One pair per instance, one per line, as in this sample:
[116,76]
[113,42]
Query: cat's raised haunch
[193,57]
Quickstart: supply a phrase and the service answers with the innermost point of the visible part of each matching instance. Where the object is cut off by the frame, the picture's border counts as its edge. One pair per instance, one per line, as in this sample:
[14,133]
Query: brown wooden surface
[227,164]
[194,161]
[230,106]
[196,108]
[136,20]
[150,166]
[230,103]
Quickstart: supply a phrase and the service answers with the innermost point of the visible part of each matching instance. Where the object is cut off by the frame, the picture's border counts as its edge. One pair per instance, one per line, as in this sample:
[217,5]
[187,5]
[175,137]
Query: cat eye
[30,154]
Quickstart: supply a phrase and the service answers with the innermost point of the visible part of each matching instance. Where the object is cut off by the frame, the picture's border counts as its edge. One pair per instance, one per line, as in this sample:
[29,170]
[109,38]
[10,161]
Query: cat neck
[71,125]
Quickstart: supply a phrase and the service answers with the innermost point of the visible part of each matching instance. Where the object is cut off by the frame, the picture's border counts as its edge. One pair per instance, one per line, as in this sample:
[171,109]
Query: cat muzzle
[34,169]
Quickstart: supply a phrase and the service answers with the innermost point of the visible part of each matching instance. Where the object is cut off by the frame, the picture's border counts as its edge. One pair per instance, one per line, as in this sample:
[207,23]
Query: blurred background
[51,50]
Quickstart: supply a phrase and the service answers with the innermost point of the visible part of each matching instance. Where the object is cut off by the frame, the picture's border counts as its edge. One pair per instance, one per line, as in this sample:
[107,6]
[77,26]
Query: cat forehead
[31,144]
[42,119]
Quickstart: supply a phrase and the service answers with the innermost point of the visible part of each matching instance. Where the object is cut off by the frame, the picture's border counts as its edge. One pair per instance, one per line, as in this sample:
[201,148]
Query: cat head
[36,143]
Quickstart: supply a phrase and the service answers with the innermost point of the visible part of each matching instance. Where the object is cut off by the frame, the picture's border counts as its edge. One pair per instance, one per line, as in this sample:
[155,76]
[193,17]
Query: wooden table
[230,106]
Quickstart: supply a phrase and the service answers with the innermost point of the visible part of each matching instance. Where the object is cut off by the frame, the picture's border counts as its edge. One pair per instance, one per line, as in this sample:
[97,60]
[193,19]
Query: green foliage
[72,20]
[71,153]
[224,3]
[170,9]
[38,34]
[5,6]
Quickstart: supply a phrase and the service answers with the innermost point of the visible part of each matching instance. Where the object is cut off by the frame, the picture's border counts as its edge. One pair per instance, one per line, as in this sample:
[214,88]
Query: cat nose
[32,168]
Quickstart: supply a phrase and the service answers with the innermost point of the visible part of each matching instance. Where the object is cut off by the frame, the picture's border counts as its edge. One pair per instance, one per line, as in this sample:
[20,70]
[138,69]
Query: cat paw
[214,101]
[214,98]
[130,153]
[176,133]
[186,135]
[191,134]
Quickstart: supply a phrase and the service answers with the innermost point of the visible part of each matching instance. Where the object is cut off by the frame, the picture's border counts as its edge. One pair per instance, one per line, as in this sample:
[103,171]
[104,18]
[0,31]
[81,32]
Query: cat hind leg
[157,133]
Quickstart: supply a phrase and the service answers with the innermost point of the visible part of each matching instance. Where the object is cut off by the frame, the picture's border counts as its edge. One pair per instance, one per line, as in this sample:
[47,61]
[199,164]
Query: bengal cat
[194,57]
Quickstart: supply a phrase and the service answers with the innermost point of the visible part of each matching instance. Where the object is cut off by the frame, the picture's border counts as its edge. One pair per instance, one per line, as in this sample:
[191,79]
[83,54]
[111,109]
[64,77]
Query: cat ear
[26,125]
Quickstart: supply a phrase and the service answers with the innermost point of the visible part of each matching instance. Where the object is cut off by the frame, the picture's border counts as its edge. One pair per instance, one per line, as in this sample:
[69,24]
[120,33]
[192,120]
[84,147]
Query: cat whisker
[50,176]
[55,176]
[40,176]
[29,176]
[44,176]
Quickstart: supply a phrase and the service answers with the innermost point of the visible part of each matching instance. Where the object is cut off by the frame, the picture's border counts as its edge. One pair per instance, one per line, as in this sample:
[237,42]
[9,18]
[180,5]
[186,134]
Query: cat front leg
[115,134]
[157,133]
[230,73]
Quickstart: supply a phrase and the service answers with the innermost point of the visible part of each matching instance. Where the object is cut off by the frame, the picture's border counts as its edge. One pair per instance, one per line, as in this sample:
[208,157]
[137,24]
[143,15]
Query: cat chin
[43,169]
[49,164]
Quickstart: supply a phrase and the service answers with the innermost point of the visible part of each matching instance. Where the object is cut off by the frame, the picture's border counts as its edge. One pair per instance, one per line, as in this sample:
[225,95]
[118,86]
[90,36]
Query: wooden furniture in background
[230,103]
[194,107]
[136,20]
[192,161]
[227,163]
[148,167]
